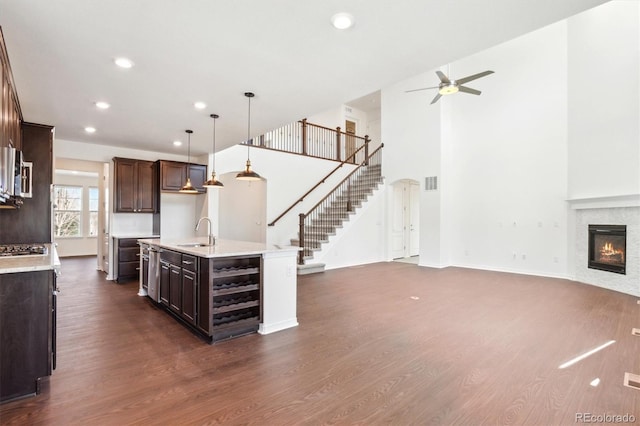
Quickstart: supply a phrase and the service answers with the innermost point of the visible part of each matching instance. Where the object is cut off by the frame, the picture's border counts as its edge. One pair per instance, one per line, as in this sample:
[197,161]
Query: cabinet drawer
[171,257]
[128,242]
[128,254]
[189,262]
[128,268]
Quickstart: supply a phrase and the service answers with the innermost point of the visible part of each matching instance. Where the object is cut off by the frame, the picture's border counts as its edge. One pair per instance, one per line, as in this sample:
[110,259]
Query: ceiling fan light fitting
[448,89]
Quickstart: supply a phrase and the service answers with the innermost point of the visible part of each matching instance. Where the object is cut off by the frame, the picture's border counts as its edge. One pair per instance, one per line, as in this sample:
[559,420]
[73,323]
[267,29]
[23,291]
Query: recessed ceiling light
[342,20]
[177,143]
[90,129]
[102,105]
[123,62]
[200,105]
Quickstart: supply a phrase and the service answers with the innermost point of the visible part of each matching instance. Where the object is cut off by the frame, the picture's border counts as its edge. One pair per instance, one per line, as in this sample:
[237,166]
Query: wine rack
[235,296]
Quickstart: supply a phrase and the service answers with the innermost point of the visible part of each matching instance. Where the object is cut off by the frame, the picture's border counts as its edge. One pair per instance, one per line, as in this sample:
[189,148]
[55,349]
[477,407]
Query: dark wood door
[165,279]
[198,174]
[173,175]
[26,333]
[175,288]
[146,188]
[189,296]
[350,140]
[125,185]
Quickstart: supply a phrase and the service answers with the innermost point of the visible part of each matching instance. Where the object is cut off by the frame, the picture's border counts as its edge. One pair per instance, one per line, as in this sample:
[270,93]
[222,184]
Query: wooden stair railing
[349,159]
[335,207]
[312,140]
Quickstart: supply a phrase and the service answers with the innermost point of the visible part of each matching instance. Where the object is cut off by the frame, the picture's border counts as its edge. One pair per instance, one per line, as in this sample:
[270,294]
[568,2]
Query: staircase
[323,220]
[329,214]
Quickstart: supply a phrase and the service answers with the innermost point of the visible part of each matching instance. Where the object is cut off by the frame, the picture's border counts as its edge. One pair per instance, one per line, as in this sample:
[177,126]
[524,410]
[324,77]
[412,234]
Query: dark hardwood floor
[387,343]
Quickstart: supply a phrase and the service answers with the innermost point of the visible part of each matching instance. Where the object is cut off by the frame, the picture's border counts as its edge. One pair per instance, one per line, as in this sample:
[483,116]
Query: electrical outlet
[524,257]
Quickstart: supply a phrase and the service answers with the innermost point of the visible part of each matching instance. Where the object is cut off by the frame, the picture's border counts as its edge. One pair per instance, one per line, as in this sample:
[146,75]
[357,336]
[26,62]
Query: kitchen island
[229,288]
[27,322]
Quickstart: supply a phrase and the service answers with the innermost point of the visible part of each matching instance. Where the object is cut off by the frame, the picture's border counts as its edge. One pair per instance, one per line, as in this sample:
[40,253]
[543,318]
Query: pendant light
[213,182]
[188,188]
[248,174]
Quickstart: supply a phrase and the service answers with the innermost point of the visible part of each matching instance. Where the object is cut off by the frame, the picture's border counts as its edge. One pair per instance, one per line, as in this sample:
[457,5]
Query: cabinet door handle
[189,277]
[175,272]
[187,262]
[137,269]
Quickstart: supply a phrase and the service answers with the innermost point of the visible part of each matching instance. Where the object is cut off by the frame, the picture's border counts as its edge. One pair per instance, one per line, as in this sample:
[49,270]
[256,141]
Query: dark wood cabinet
[165,278]
[128,259]
[10,112]
[27,315]
[189,287]
[179,283]
[175,289]
[173,175]
[135,186]
[220,298]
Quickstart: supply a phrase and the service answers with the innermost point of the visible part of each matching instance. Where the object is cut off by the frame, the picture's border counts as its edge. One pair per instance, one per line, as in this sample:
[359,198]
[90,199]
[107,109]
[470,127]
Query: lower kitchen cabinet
[218,297]
[27,316]
[128,259]
[175,289]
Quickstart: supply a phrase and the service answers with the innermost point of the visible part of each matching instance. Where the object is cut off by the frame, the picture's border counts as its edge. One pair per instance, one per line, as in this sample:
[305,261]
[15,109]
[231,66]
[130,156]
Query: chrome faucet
[212,239]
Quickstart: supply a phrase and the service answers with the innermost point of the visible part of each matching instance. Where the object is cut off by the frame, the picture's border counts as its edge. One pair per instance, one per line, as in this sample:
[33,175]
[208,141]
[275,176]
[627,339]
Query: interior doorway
[350,140]
[405,219]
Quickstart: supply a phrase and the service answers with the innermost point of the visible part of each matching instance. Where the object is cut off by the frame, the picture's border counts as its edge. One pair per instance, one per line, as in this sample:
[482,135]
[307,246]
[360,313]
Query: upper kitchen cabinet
[10,113]
[135,186]
[173,175]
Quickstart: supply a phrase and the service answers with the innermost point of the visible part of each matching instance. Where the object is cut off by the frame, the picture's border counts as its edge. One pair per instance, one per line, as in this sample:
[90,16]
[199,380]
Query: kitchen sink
[194,245]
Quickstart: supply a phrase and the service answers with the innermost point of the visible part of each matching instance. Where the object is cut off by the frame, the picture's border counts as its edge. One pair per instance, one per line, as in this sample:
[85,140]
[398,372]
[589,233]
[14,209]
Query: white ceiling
[285,51]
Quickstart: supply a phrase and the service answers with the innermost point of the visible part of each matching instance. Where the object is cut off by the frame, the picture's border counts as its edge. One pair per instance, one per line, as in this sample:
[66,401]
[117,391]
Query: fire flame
[608,250]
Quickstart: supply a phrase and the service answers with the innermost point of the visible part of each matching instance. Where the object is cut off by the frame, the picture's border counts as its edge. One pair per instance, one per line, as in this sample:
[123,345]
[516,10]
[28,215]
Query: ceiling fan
[448,86]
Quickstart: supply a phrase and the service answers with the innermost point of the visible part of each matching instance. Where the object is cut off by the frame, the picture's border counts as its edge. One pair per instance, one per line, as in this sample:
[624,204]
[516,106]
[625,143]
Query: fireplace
[608,248]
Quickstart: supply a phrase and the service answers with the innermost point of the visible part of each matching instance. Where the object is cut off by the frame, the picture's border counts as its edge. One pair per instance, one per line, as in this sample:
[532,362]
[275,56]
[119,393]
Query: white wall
[604,101]
[501,157]
[509,157]
[411,133]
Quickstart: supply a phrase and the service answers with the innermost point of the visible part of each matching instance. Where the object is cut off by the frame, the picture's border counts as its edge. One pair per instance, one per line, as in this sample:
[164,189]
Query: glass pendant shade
[247,173]
[213,182]
[188,188]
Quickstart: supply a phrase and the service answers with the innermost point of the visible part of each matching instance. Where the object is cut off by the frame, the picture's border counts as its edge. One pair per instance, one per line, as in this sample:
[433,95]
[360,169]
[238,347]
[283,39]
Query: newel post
[366,149]
[304,136]
[301,240]
[338,150]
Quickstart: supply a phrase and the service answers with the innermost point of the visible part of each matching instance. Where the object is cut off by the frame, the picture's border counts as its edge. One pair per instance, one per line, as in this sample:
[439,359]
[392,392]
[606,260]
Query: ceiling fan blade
[424,88]
[443,78]
[469,90]
[438,96]
[473,77]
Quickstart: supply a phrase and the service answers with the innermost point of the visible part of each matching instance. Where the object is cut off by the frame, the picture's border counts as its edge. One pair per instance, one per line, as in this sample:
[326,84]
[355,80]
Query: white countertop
[222,248]
[30,263]
[134,235]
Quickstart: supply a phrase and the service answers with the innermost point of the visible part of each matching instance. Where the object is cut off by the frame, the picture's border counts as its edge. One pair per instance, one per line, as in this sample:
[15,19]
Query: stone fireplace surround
[608,211]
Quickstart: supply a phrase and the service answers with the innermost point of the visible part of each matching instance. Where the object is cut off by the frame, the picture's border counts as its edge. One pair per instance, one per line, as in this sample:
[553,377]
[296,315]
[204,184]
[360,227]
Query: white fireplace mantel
[605,202]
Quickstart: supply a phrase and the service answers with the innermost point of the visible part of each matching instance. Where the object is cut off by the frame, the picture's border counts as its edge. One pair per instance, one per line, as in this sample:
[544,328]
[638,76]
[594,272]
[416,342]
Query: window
[67,211]
[93,211]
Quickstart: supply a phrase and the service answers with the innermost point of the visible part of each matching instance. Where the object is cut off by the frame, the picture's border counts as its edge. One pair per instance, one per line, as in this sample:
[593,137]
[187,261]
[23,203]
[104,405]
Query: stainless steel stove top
[23,250]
